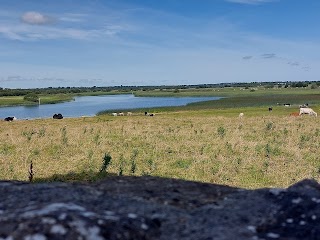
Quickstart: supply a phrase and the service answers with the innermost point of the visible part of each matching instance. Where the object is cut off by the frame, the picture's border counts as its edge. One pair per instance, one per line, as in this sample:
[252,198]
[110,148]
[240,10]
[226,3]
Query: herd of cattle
[303,109]
[130,114]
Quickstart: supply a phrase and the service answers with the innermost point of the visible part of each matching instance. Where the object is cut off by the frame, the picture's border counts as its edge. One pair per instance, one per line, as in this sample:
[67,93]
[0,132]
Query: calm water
[91,105]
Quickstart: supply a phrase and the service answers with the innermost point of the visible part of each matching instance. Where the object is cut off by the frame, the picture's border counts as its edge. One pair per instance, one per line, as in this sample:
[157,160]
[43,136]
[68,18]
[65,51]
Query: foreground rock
[157,208]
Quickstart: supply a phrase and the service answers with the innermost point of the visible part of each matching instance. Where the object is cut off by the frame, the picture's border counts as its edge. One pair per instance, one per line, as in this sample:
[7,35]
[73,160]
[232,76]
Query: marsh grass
[185,145]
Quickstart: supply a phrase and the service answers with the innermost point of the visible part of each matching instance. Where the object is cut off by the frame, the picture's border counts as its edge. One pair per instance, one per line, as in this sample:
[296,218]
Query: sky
[85,43]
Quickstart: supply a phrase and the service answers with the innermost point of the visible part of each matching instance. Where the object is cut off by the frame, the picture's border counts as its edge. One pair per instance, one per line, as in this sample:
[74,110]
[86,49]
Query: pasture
[260,149]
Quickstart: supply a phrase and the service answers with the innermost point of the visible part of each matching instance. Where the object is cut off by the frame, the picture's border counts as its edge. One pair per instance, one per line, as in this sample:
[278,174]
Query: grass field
[262,149]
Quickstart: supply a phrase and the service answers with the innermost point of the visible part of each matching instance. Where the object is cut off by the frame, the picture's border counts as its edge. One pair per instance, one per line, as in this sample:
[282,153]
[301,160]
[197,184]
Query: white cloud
[36,18]
[35,33]
[35,26]
[249,1]
[73,17]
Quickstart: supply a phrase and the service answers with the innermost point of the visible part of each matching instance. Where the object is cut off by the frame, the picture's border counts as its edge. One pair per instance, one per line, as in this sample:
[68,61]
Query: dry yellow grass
[252,152]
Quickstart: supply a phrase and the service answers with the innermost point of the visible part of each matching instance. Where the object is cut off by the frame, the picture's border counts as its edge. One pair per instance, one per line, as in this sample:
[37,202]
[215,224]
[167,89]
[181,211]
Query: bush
[31,97]
[221,131]
[105,162]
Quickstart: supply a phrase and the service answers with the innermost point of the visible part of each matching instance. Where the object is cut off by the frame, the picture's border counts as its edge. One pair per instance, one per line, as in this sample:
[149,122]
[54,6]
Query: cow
[149,114]
[10,119]
[114,114]
[306,105]
[287,104]
[120,114]
[241,115]
[270,109]
[129,113]
[307,111]
[57,116]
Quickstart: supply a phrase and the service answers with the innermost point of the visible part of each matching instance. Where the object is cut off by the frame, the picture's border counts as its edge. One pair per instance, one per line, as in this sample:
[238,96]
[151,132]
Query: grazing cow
[307,111]
[241,115]
[129,113]
[145,113]
[114,114]
[10,119]
[57,116]
[151,114]
[306,105]
[120,114]
[270,109]
[294,114]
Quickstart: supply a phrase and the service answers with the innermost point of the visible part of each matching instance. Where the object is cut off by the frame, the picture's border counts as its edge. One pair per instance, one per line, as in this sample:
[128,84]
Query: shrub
[269,125]
[221,131]
[31,97]
[105,162]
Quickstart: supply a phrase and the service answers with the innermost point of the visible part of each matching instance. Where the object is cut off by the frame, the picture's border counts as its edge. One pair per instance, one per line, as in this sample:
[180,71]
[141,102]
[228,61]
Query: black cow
[270,109]
[57,116]
[10,119]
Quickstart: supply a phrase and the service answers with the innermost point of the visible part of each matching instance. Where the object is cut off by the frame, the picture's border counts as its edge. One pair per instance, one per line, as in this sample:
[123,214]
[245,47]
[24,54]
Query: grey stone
[157,208]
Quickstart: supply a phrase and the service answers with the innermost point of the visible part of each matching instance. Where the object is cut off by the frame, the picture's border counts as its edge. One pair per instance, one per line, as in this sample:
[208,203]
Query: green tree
[31,97]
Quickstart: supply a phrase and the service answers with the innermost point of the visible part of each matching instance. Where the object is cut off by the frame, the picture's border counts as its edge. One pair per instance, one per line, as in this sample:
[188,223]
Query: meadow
[207,144]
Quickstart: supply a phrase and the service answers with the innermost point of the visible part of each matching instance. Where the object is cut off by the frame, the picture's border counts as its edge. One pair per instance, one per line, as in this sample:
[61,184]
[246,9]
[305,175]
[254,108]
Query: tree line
[121,88]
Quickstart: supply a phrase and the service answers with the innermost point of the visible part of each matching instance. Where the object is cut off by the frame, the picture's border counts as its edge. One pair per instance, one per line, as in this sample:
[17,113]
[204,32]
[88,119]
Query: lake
[91,105]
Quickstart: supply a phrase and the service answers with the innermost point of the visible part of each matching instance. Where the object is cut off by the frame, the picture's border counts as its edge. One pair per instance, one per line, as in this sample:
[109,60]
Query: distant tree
[269,86]
[314,86]
[176,90]
[299,84]
[31,97]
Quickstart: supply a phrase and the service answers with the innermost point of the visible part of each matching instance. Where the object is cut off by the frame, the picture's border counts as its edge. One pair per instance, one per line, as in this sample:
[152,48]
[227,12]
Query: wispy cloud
[268,55]
[252,2]
[247,57]
[35,26]
[280,59]
[26,33]
[36,18]
[293,64]
[73,17]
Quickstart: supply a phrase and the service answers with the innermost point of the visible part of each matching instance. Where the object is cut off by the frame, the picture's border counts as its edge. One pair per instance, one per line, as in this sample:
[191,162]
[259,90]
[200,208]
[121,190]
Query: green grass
[261,149]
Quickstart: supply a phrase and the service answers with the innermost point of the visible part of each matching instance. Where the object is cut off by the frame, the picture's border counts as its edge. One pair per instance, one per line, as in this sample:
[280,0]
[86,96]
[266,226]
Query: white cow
[114,114]
[307,111]
[241,115]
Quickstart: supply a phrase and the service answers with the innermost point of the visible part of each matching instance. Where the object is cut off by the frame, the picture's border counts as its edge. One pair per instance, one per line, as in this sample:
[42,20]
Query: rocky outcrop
[157,208]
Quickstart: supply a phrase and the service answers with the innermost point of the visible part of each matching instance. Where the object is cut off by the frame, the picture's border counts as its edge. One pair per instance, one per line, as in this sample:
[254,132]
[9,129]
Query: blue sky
[149,42]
